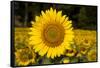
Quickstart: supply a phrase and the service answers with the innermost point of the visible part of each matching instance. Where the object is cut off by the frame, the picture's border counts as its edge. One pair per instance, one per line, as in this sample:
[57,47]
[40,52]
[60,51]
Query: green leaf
[83,59]
[46,61]
[73,60]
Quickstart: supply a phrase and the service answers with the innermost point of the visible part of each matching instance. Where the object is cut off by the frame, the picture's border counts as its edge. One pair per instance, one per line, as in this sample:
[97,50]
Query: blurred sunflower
[70,52]
[51,33]
[66,60]
[92,55]
[21,38]
[25,56]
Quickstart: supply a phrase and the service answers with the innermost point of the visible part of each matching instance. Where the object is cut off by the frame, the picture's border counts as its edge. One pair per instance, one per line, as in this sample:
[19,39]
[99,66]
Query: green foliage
[83,17]
[87,18]
[46,61]
[74,60]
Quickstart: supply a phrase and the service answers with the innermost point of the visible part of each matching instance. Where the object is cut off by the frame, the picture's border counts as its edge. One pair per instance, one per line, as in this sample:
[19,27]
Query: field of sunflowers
[84,49]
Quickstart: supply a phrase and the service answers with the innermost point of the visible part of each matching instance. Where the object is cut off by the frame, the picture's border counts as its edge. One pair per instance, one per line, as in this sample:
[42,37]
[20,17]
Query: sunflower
[25,56]
[51,33]
[92,55]
[21,38]
[71,52]
[66,60]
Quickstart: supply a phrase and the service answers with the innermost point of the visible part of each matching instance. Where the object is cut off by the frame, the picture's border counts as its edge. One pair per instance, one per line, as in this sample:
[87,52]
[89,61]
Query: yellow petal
[53,53]
[38,47]
[62,19]
[69,32]
[43,14]
[58,51]
[37,18]
[43,51]
[68,38]
[58,17]
[49,52]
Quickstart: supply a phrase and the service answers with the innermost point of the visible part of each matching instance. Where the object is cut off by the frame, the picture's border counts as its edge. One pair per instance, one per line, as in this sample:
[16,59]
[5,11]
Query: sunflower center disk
[53,35]
[26,56]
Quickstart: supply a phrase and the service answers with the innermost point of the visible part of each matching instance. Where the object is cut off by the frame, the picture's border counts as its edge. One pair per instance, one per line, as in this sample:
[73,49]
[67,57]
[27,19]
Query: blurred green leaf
[83,59]
[46,61]
[73,59]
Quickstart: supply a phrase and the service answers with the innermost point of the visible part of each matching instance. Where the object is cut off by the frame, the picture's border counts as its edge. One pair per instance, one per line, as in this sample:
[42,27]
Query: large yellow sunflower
[25,56]
[51,33]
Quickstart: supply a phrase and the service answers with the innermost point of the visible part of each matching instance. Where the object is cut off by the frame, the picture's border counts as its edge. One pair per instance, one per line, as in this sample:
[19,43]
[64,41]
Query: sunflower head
[92,55]
[70,52]
[51,33]
[25,56]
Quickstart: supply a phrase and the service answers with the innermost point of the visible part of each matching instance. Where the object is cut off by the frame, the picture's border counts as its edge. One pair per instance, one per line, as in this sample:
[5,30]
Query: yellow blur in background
[85,42]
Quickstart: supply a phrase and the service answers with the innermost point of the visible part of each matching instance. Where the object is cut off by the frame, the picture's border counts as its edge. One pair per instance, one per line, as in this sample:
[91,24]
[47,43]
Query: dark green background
[83,17]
